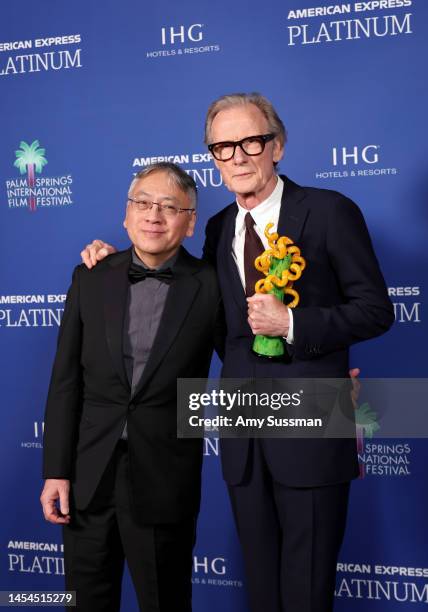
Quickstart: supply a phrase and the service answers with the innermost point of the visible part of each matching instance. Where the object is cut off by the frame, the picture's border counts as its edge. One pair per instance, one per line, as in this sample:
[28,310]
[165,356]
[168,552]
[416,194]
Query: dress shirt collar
[169,263]
[263,212]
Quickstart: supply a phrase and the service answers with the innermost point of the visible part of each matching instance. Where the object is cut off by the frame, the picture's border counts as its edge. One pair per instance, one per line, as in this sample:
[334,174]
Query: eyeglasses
[164,209]
[252,145]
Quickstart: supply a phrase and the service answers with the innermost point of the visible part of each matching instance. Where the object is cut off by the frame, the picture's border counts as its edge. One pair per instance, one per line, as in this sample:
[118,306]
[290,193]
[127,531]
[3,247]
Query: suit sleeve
[365,310]
[209,255]
[209,249]
[220,330]
[64,397]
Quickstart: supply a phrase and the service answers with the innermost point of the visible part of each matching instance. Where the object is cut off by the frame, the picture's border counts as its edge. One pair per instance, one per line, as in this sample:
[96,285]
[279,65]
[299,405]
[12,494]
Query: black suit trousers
[290,538]
[102,536]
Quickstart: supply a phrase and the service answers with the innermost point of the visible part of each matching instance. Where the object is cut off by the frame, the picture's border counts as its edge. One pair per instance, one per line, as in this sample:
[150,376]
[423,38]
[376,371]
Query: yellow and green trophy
[282,264]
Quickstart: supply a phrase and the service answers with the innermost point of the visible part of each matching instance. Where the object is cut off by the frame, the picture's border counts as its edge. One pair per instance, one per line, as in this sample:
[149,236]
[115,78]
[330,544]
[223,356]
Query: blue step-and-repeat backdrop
[92,92]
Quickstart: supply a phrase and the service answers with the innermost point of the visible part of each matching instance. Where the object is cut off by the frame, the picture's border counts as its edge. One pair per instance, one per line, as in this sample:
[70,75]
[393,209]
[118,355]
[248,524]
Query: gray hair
[276,126]
[176,175]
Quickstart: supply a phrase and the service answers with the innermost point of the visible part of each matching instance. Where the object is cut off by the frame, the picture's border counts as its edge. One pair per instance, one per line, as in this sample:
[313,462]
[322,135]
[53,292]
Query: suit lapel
[115,287]
[234,280]
[182,292]
[293,211]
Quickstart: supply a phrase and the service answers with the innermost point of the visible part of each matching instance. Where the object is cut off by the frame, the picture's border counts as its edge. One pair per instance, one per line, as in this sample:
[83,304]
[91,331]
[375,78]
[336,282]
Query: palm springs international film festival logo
[31,191]
[377,459]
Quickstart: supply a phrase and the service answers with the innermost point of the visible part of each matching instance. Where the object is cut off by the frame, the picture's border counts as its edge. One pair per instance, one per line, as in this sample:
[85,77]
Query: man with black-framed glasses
[117,478]
[289,496]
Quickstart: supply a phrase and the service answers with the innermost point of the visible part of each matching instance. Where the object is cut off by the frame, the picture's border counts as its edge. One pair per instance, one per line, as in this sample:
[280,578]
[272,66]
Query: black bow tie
[137,273]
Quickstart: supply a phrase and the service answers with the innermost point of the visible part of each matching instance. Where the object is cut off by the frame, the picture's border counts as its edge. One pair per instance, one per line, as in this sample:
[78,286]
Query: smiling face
[251,178]
[155,236]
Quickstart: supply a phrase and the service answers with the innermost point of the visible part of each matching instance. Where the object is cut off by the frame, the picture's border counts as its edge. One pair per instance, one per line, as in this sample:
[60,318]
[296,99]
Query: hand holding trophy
[282,264]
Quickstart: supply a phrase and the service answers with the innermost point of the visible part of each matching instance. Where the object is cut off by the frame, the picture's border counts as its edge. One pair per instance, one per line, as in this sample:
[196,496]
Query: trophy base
[266,346]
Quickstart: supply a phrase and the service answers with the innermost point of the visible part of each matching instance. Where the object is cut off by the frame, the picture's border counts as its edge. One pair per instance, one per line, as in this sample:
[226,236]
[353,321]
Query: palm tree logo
[367,425]
[30,159]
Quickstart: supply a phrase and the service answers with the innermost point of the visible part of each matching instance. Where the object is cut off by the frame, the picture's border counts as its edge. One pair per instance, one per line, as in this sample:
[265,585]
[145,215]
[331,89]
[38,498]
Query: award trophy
[282,265]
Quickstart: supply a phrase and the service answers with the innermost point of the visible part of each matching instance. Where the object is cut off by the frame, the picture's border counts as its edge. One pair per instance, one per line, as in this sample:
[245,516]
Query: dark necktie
[137,273]
[253,248]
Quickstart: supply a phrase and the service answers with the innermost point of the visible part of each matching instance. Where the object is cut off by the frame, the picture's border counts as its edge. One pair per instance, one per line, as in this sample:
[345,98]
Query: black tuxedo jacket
[343,300]
[90,398]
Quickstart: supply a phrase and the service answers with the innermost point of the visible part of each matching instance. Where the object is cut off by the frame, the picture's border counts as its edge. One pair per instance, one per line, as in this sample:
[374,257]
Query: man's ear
[191,226]
[278,150]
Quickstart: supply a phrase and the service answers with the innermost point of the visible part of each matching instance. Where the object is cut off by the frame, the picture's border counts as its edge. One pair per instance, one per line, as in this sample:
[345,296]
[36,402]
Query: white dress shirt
[264,213]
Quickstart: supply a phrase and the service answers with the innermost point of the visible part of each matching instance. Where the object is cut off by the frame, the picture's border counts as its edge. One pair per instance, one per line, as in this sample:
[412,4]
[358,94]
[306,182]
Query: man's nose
[239,156]
[154,215]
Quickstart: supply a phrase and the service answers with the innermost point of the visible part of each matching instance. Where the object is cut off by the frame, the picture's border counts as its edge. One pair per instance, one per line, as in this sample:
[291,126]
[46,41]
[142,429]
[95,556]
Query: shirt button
[132,407]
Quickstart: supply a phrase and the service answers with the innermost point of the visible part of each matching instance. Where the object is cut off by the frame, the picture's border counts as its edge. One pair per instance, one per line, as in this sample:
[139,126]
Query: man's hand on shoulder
[267,315]
[95,252]
[56,489]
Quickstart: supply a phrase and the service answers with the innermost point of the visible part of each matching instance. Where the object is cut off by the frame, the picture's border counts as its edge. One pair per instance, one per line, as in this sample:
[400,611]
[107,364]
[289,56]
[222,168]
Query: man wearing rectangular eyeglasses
[117,478]
[289,496]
